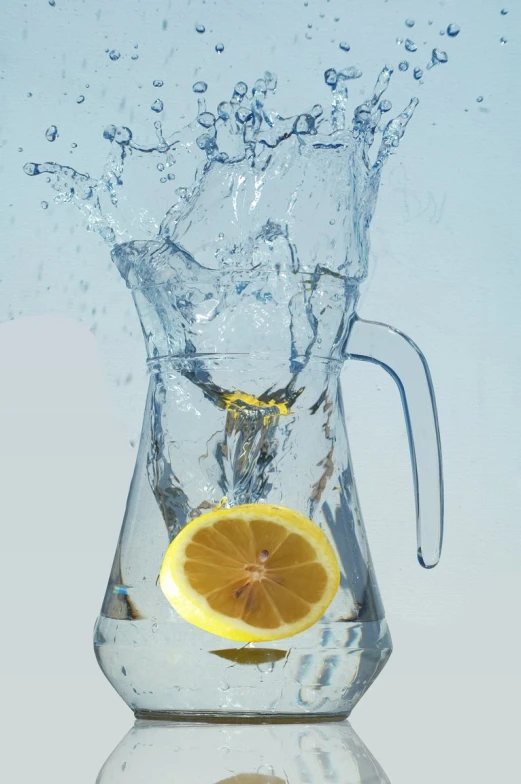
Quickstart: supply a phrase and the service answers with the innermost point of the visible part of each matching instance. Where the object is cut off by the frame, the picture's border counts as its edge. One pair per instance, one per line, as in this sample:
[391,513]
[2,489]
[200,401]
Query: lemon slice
[251,573]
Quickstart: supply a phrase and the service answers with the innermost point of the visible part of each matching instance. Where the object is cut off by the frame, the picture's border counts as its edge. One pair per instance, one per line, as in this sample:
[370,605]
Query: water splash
[234,245]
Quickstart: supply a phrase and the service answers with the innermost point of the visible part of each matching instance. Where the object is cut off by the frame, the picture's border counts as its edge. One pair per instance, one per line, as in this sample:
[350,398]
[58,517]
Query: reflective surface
[161,752]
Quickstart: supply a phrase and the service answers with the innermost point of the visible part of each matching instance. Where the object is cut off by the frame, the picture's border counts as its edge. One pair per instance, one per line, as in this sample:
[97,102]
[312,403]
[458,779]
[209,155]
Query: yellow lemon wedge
[251,573]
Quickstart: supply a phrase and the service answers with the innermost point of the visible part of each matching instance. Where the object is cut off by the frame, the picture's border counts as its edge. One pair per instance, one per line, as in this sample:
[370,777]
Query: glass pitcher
[238,410]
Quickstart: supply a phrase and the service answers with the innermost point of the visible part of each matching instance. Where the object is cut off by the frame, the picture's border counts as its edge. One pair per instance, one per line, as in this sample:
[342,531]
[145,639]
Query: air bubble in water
[502,40]
[157,106]
[403,66]
[200,28]
[80,99]
[114,54]
[409,22]
[344,46]
[219,48]
[453,30]
[410,45]
[418,73]
[479,99]
[51,134]
[44,205]
[199,87]
[157,83]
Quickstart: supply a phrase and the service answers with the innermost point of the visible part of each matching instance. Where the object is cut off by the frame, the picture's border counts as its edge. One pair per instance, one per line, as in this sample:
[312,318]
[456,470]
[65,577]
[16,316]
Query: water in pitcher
[246,290]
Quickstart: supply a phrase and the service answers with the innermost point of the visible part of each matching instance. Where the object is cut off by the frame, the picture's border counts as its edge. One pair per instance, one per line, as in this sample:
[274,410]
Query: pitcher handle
[403,360]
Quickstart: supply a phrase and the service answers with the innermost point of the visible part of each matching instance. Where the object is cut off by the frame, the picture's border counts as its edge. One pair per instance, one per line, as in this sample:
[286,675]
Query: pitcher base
[202,717]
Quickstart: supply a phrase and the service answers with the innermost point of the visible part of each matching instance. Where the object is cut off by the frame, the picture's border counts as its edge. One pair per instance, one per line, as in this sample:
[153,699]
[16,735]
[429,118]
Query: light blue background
[444,269]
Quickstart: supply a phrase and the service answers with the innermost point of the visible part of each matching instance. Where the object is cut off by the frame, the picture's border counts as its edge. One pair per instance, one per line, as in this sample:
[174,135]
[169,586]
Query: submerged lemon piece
[251,573]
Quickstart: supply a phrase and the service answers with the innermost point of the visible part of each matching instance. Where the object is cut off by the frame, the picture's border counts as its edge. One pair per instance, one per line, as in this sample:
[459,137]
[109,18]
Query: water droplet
[453,30]
[80,99]
[504,11]
[73,145]
[155,627]
[399,41]
[418,73]
[224,110]
[240,89]
[123,670]
[199,87]
[44,205]
[114,54]
[385,106]
[162,179]
[158,83]
[206,119]
[157,106]
[52,3]
[134,56]
[310,26]
[243,114]
[51,134]
[20,149]
[332,222]
[409,22]
[479,99]
[29,95]
[219,48]
[170,176]
[344,46]
[200,28]
[160,166]
[136,46]
[223,686]
[410,45]
[502,40]
[404,65]
[438,57]
[331,77]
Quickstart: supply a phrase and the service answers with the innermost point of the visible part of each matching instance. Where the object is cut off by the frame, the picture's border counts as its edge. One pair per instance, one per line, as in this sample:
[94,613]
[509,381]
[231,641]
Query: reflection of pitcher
[163,753]
[247,300]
